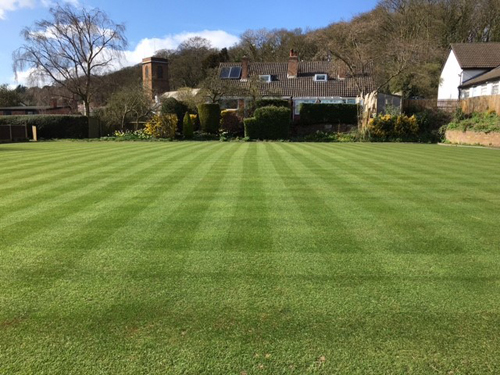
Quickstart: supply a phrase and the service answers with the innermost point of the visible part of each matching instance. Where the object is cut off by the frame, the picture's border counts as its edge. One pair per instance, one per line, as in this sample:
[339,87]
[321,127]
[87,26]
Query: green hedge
[52,126]
[269,123]
[187,128]
[209,115]
[171,106]
[313,114]
[272,102]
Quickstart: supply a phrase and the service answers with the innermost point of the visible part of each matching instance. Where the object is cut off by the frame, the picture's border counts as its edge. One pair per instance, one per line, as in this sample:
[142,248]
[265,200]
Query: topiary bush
[269,123]
[314,114]
[52,126]
[187,126]
[231,123]
[272,102]
[209,115]
[162,126]
[171,106]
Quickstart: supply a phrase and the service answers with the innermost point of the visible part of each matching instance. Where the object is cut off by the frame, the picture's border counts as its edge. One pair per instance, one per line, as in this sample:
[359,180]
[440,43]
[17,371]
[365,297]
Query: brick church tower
[155,76]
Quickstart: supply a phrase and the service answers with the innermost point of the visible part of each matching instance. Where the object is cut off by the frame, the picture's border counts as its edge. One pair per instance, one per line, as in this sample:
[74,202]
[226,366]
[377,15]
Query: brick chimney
[244,68]
[293,65]
[341,71]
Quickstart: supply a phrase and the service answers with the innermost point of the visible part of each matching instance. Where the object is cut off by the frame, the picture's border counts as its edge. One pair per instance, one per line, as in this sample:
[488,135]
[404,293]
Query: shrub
[230,122]
[196,122]
[129,135]
[172,106]
[477,122]
[209,115]
[52,126]
[272,102]
[162,126]
[187,128]
[269,123]
[313,114]
[387,128]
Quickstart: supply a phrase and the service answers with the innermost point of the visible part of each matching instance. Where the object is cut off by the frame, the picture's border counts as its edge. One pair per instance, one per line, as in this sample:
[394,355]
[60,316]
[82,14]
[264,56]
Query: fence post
[35,136]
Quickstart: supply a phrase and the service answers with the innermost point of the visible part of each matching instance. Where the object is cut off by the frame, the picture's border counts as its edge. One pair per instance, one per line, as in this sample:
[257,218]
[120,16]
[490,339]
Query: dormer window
[321,77]
[265,78]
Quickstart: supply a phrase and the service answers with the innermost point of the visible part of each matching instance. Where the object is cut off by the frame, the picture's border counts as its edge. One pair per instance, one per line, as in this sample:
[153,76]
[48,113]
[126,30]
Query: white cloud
[51,3]
[12,5]
[147,47]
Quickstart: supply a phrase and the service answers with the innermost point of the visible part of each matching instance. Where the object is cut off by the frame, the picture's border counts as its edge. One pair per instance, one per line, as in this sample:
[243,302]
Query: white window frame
[495,88]
[265,78]
[484,90]
[323,75]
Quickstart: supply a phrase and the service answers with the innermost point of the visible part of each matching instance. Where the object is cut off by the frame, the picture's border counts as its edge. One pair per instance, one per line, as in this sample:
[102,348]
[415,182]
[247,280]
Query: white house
[472,69]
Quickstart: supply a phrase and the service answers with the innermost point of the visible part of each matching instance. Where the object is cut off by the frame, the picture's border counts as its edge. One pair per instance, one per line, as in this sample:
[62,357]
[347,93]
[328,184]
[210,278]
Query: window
[146,72]
[465,93]
[494,89]
[484,90]
[265,78]
[321,77]
[233,72]
[229,104]
[159,72]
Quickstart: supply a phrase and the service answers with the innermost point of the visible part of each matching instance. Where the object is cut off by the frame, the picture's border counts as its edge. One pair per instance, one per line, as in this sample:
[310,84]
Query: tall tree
[8,97]
[70,49]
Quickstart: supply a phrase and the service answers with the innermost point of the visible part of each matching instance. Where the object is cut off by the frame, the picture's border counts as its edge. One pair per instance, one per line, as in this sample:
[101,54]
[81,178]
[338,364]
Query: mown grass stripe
[431,207]
[59,250]
[56,173]
[30,203]
[86,198]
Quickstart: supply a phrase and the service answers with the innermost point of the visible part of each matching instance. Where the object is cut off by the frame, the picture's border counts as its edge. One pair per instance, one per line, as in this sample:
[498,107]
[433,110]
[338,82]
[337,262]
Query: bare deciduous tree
[71,49]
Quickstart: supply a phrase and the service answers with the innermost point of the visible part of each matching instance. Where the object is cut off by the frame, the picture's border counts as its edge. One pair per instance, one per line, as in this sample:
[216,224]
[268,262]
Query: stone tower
[155,76]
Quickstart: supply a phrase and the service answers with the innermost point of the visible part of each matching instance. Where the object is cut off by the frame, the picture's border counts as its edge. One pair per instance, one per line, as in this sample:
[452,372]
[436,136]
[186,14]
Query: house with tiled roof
[297,81]
[319,82]
[472,69]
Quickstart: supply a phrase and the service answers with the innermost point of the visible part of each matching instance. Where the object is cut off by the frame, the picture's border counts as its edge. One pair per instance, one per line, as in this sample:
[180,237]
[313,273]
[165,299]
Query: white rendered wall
[450,79]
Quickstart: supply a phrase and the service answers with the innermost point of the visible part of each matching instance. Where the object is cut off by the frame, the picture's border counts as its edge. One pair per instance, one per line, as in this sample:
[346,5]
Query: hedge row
[272,102]
[313,114]
[52,126]
[269,123]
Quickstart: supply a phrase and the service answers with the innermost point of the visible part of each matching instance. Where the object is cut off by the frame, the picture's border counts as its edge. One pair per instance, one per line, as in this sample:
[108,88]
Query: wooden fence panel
[481,104]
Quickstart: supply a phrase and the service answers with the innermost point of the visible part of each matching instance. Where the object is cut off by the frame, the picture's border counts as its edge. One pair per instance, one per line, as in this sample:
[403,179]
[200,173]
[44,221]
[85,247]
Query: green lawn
[249,258]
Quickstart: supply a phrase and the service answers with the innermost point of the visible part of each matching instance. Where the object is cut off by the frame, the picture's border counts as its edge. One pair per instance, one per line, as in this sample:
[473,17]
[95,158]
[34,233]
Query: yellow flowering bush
[385,127]
[162,126]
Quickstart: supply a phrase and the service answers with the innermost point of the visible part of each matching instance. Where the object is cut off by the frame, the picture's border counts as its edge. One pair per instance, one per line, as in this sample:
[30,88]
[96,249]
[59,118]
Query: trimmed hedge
[230,122]
[313,114]
[269,123]
[52,126]
[209,115]
[272,102]
[171,106]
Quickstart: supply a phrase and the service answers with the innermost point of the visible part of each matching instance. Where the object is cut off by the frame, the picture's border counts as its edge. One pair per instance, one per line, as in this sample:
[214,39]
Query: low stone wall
[473,138]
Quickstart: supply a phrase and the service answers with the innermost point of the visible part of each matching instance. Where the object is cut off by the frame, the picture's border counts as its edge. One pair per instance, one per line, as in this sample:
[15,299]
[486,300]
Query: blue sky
[164,24]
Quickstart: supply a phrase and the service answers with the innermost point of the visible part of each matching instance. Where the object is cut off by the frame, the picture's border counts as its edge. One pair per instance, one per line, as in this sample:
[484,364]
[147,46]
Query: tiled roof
[492,75]
[304,85]
[477,55]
